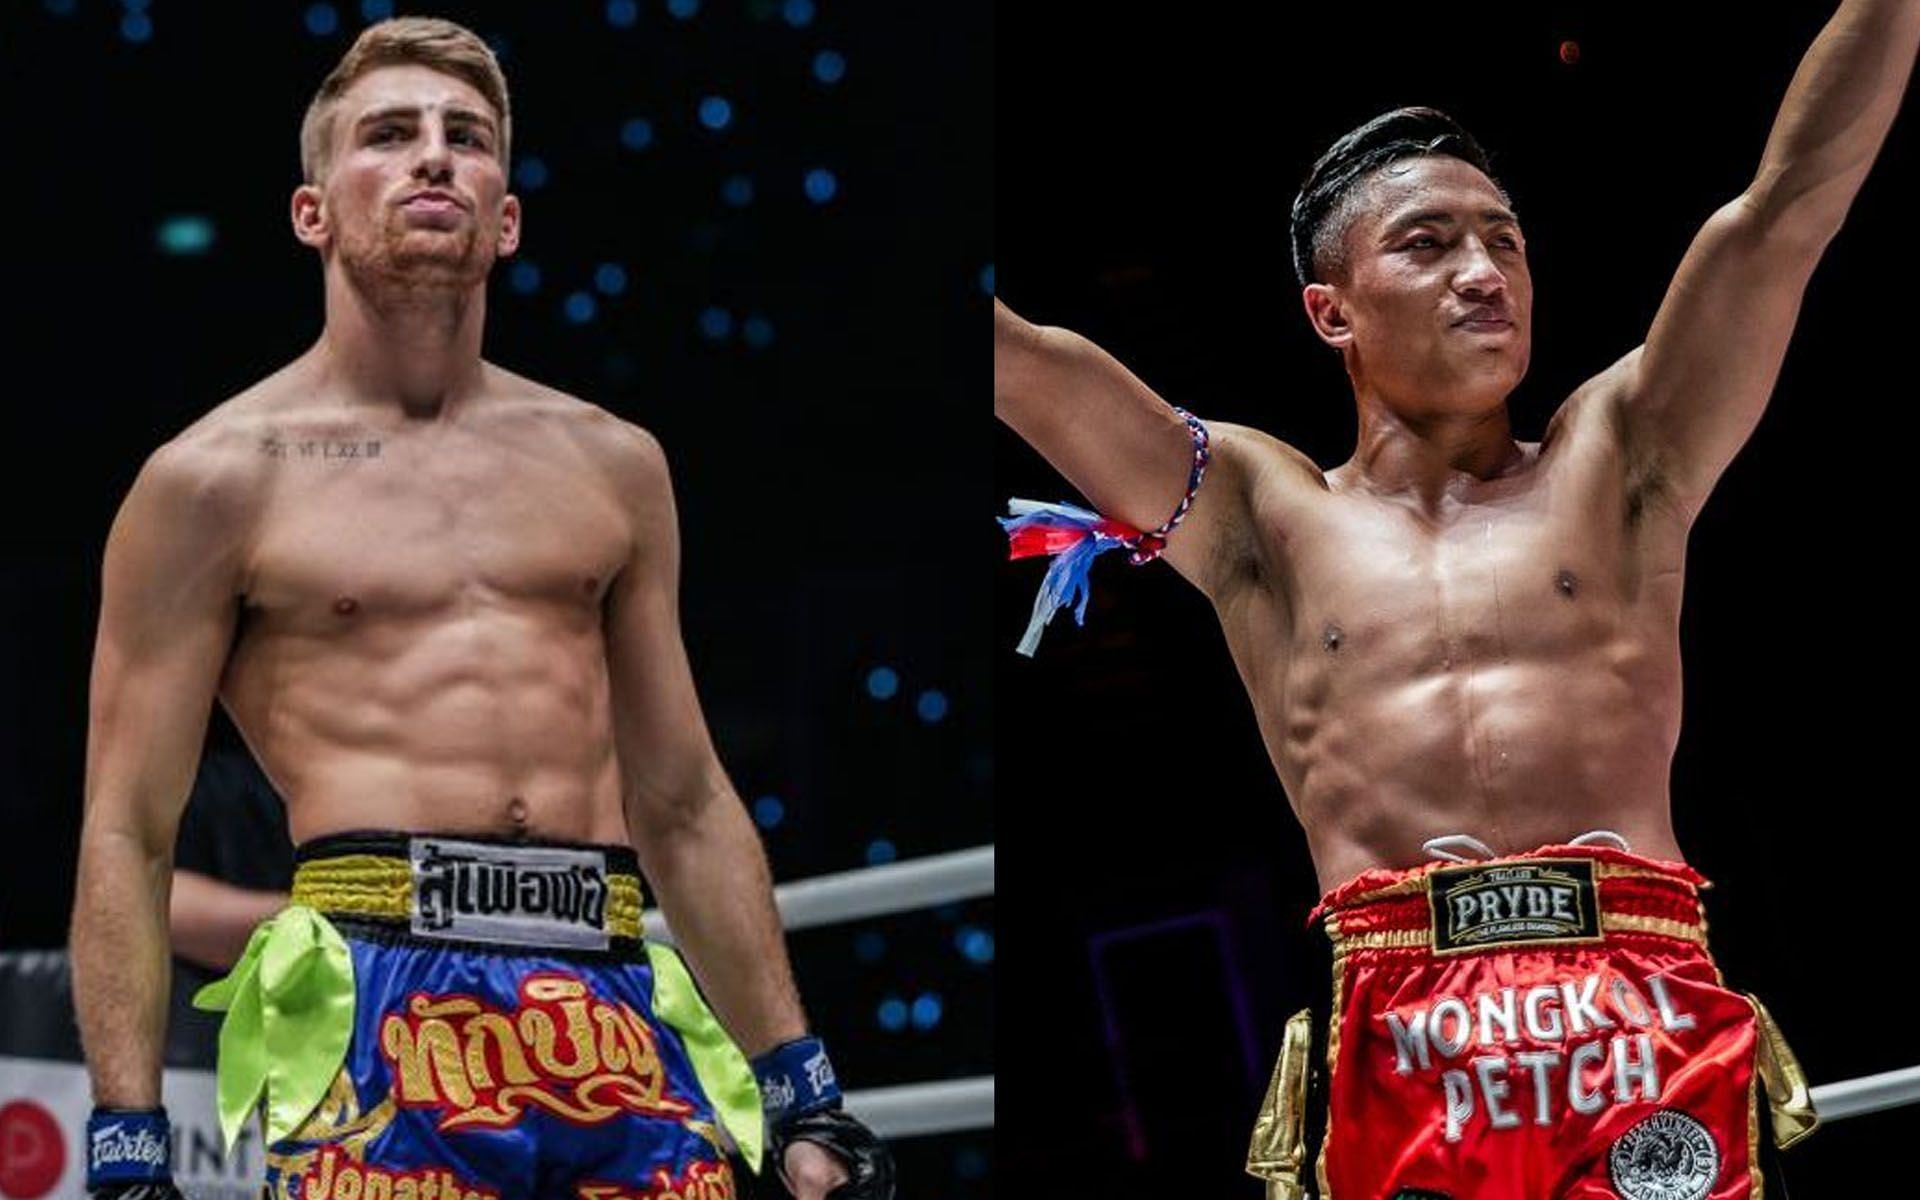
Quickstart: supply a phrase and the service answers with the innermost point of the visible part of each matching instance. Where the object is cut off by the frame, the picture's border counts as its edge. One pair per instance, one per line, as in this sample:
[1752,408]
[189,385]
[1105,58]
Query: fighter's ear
[509,226]
[1326,309]
[310,216]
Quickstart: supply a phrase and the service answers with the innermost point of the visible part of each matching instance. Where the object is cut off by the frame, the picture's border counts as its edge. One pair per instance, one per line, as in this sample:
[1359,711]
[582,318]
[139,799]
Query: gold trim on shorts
[381,887]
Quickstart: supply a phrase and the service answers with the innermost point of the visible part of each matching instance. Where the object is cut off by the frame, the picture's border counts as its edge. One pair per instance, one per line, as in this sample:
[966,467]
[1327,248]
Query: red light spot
[33,1151]
[1569,52]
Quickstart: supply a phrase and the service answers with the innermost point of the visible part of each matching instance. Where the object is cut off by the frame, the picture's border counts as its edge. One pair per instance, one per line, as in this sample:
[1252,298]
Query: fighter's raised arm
[1697,388]
[1114,438]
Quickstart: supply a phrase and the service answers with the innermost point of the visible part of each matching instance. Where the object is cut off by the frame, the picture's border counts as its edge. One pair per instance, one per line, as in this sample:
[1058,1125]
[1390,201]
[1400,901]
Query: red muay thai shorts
[1539,1027]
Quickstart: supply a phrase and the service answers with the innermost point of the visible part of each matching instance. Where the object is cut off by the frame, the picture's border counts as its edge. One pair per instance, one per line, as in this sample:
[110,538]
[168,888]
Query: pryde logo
[115,1145]
[1475,907]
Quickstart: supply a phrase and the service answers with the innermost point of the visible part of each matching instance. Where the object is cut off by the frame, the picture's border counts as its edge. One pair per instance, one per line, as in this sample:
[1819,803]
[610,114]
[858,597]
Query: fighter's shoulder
[1595,406]
[1263,463]
[212,472]
[627,454]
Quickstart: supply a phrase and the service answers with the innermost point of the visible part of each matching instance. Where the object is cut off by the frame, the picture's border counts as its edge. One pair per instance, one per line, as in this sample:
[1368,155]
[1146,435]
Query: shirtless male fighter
[1462,645]
[439,601]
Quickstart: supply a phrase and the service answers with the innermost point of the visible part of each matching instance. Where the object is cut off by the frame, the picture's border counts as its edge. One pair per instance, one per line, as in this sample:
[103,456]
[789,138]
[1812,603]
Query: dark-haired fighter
[1459,644]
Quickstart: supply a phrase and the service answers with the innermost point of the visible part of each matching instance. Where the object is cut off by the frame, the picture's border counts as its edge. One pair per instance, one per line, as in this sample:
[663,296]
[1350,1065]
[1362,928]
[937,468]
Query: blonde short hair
[425,41]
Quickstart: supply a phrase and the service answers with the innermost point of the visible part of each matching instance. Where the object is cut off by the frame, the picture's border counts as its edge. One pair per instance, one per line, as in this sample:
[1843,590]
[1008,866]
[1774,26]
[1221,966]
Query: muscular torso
[1503,664]
[420,641]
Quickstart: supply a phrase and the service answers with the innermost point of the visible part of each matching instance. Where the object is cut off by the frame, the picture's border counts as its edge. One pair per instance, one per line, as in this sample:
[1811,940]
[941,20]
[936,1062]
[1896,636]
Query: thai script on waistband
[526,895]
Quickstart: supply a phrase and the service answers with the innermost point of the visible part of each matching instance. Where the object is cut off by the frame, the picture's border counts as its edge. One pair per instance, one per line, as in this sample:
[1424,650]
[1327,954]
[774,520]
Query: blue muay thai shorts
[502,1031]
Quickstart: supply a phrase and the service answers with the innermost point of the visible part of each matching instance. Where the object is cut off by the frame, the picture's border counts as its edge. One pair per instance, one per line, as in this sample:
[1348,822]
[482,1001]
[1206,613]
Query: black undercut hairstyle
[1322,211]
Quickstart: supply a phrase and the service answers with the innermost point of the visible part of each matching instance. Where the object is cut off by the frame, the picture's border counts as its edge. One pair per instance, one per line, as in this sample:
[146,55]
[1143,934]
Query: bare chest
[1378,589]
[415,529]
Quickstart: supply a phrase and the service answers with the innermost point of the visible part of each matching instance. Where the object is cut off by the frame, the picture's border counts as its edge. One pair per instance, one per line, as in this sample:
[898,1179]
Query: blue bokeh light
[880,852]
[893,1014]
[530,174]
[757,331]
[136,27]
[621,14]
[580,307]
[716,324]
[798,13]
[715,112]
[986,279]
[375,10]
[637,134]
[927,1010]
[829,66]
[610,278]
[322,20]
[931,706]
[768,812]
[524,277]
[870,946]
[737,191]
[185,235]
[683,10]
[883,683]
[974,944]
[821,185]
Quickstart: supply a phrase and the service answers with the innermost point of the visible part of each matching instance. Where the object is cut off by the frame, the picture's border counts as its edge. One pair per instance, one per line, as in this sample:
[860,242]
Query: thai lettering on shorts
[539,895]
[1593,1046]
[700,1181]
[564,1050]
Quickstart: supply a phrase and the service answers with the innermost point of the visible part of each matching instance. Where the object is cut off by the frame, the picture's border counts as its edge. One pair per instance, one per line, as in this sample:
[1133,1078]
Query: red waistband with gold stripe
[1553,894]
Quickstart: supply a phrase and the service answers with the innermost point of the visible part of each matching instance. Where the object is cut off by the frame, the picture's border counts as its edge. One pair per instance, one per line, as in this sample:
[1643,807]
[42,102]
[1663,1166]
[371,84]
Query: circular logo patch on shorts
[1668,1156]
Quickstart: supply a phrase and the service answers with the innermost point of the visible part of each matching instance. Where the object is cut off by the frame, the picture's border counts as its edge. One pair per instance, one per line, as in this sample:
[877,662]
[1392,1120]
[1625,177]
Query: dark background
[825,437]
[1145,163]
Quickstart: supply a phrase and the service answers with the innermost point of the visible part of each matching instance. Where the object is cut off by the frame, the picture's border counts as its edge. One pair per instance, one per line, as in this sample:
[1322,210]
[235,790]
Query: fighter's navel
[517,812]
[1566,582]
[346,606]
[1332,637]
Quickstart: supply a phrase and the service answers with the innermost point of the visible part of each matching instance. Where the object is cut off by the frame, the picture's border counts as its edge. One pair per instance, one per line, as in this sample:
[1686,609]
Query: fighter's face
[1436,300]
[415,189]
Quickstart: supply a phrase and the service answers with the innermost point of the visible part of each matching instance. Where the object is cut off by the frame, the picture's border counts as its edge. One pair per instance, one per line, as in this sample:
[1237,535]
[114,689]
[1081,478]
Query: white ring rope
[872,891]
[1869,1093]
[916,1108]
[909,1110]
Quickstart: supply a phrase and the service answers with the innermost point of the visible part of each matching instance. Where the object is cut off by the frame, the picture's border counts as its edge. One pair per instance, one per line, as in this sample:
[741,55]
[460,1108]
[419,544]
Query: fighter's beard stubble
[397,264]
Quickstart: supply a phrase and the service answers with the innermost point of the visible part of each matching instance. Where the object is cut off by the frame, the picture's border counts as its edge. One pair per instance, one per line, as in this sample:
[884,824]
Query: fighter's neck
[1431,459]
[417,350]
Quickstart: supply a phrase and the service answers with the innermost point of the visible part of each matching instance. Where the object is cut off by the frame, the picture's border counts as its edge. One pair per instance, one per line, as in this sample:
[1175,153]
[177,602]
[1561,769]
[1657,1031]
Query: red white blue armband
[1075,536]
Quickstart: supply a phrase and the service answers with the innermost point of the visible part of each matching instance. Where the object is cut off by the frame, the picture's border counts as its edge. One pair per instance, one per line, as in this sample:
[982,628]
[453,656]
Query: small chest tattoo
[320,449]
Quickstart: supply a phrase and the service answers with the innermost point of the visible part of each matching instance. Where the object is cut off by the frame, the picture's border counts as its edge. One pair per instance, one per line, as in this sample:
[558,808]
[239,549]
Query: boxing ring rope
[872,891]
[1869,1093]
[909,1110]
